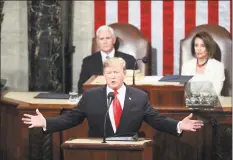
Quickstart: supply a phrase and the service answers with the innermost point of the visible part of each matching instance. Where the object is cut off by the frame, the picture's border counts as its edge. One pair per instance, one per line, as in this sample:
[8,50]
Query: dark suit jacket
[93,65]
[93,106]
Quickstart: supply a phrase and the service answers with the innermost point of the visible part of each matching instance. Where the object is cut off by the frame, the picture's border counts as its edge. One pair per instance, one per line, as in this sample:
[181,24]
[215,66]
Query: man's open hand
[34,121]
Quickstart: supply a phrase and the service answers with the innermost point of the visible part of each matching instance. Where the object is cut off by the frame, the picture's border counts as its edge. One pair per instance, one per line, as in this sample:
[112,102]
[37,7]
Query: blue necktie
[107,57]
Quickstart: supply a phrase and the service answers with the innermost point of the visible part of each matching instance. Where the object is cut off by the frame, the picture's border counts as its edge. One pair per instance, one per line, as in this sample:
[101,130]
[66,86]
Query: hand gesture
[190,125]
[34,121]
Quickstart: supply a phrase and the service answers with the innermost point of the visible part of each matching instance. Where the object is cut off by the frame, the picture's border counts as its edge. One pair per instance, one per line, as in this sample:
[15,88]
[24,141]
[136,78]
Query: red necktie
[117,110]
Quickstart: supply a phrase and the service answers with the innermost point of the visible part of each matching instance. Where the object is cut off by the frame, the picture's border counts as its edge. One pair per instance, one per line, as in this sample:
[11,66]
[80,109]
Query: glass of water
[73,98]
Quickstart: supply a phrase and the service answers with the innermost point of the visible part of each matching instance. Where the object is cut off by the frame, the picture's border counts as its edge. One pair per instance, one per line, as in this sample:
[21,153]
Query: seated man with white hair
[93,64]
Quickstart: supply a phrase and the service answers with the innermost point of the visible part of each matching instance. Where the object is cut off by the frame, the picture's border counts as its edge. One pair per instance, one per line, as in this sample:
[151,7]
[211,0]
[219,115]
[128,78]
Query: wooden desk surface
[139,80]
[94,143]
[27,99]
[142,81]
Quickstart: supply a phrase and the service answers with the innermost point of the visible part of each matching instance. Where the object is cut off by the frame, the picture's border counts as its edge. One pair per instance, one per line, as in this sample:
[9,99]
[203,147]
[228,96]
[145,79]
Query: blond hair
[115,60]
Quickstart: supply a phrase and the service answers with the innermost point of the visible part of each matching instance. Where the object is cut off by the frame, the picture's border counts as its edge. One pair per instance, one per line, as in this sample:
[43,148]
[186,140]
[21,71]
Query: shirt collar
[111,54]
[120,91]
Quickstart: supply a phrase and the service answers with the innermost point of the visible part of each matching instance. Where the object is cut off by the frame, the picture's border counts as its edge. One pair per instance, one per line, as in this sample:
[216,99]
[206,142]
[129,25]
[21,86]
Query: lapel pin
[129,98]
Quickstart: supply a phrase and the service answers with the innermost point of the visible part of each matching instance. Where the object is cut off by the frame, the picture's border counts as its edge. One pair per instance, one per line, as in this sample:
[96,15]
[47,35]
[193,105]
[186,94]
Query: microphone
[144,60]
[111,96]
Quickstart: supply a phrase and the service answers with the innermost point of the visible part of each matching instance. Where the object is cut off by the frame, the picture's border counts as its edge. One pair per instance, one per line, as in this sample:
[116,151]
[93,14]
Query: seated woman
[203,66]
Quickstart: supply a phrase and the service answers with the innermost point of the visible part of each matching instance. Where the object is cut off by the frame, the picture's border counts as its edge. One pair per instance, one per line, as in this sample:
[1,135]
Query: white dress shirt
[104,55]
[121,98]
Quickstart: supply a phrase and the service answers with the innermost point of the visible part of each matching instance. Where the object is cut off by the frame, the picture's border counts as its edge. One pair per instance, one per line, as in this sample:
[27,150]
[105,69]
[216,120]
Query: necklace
[201,65]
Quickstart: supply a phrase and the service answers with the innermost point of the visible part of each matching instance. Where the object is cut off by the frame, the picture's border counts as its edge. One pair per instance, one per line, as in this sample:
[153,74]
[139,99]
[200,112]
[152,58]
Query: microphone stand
[105,118]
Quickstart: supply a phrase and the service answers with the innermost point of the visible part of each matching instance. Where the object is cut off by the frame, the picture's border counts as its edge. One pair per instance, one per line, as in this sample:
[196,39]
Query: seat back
[131,41]
[223,52]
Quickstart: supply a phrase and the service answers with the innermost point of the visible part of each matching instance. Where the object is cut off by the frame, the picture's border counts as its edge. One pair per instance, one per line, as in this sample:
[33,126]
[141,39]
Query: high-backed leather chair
[131,41]
[224,50]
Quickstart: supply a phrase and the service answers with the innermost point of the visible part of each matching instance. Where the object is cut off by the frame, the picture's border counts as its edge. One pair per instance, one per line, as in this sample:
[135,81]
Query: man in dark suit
[126,113]
[93,64]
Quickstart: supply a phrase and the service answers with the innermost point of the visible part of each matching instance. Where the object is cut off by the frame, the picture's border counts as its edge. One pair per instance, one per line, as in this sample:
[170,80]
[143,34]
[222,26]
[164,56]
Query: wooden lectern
[94,149]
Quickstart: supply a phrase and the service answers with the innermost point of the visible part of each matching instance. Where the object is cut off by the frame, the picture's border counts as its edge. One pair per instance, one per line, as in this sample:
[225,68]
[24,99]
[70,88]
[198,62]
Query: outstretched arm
[59,123]
[166,124]
[187,124]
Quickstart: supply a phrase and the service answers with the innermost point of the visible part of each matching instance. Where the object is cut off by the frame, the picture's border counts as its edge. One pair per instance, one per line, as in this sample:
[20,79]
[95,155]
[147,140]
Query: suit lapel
[109,128]
[99,63]
[116,54]
[193,67]
[104,95]
[126,109]
[209,67]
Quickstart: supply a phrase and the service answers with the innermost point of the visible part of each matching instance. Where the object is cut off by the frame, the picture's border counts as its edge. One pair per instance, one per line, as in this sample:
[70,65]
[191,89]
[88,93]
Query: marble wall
[46,47]
[14,42]
[83,32]
[14,45]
